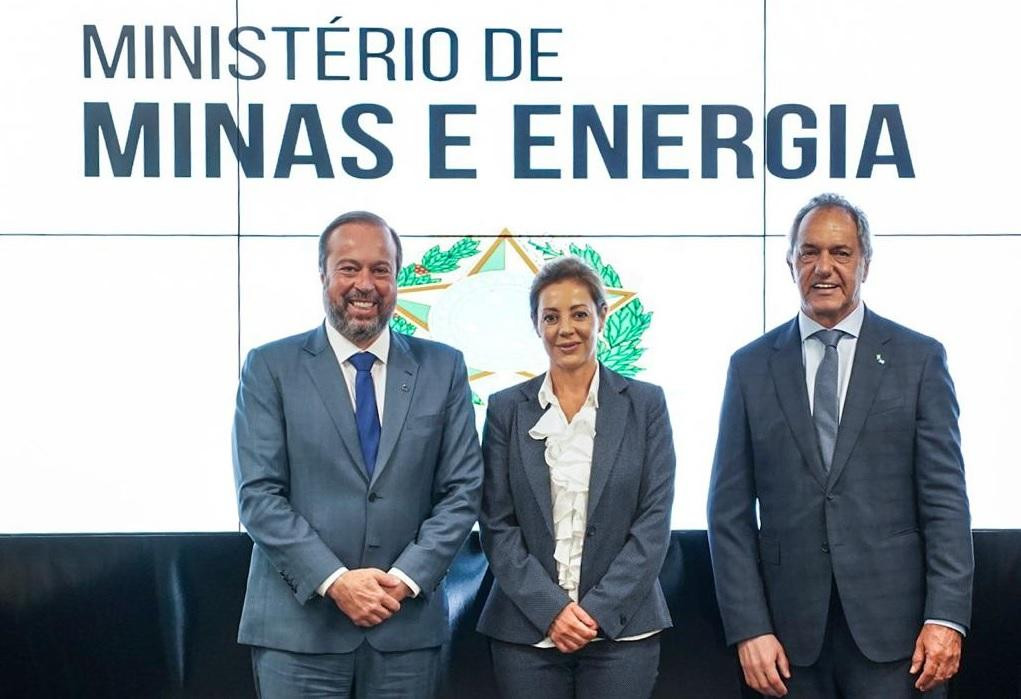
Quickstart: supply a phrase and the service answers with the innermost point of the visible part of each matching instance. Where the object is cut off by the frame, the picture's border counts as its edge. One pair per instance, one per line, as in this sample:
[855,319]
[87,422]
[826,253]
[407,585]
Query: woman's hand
[572,629]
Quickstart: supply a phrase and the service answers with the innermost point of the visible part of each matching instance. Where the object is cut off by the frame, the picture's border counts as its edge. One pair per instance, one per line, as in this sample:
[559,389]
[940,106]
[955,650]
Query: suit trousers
[364,673]
[603,669]
[843,672]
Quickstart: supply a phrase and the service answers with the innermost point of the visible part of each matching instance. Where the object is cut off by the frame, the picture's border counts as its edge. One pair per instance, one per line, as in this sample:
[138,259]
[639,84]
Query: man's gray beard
[357,332]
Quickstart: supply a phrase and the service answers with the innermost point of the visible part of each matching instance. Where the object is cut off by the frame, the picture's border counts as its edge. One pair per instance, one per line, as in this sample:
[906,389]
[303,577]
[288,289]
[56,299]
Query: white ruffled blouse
[569,457]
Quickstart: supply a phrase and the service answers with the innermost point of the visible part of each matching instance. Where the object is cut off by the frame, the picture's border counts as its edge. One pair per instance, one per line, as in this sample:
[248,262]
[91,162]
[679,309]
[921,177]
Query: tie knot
[830,338]
[363,361]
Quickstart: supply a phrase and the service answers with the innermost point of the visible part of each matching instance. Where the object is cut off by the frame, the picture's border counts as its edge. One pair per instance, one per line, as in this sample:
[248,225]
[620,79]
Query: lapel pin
[404,387]
[879,358]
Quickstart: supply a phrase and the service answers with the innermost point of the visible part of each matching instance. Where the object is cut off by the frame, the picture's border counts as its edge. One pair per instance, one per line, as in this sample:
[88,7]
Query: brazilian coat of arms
[476,298]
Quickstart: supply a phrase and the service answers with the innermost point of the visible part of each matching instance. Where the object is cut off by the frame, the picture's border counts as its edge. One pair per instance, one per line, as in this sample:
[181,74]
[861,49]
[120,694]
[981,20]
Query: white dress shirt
[569,445]
[344,349]
[812,351]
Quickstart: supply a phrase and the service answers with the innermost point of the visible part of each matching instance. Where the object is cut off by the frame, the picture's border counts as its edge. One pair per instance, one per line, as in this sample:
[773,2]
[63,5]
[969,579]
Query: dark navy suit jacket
[889,522]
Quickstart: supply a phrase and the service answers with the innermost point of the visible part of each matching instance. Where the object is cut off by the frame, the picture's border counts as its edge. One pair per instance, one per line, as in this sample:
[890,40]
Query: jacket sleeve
[262,479]
[944,516]
[457,484]
[519,574]
[733,529]
[635,569]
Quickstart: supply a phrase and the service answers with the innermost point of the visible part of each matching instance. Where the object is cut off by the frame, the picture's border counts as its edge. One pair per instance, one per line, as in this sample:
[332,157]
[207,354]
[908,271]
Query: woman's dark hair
[567,267]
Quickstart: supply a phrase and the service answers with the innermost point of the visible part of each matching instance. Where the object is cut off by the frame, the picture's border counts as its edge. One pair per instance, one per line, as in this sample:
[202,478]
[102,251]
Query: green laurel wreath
[620,346]
[434,261]
[437,261]
[402,325]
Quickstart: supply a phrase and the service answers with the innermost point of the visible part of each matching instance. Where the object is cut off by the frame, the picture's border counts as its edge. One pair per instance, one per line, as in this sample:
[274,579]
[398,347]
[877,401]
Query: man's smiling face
[359,281]
[828,265]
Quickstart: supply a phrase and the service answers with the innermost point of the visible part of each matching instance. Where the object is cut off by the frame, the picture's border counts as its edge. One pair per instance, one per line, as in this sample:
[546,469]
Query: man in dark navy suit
[838,517]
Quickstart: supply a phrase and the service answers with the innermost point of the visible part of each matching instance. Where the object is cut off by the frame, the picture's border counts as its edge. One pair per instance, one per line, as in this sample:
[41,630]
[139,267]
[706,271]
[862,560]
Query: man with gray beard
[358,475]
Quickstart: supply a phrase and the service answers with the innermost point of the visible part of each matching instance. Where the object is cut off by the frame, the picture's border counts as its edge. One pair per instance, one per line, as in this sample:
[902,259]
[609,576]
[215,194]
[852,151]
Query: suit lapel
[401,372]
[788,371]
[866,375]
[326,376]
[533,451]
[611,421]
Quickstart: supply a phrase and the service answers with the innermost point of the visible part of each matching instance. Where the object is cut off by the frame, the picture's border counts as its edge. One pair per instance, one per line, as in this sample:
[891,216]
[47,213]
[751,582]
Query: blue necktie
[366,414]
[826,398]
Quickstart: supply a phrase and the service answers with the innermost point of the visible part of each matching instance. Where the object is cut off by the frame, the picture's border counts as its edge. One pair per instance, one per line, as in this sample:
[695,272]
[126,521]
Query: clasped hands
[368,596]
[937,654]
[572,629]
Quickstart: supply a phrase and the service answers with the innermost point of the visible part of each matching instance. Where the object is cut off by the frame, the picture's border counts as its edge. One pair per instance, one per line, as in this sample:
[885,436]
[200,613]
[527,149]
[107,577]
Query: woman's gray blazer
[628,524]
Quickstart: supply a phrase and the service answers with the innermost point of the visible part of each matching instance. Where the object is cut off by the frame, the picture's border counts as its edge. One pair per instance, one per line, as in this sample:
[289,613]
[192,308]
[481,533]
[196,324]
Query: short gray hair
[833,201]
[358,217]
[566,267]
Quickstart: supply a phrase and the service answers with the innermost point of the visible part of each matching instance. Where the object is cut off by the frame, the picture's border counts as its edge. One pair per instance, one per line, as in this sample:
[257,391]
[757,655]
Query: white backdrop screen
[165,171]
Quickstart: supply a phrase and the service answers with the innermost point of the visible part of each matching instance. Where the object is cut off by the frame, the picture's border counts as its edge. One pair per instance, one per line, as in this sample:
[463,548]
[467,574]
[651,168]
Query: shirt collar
[546,395]
[850,325]
[344,348]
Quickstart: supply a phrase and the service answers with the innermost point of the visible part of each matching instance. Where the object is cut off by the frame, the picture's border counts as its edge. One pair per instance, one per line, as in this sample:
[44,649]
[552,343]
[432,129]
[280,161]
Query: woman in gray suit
[575,510]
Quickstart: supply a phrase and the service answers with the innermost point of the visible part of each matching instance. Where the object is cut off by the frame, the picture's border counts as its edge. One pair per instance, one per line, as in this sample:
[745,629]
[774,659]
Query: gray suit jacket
[889,522]
[310,508]
[630,494]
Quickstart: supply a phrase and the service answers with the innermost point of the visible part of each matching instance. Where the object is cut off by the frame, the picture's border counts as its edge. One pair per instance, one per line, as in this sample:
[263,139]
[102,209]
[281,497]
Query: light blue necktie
[826,398]
[366,413]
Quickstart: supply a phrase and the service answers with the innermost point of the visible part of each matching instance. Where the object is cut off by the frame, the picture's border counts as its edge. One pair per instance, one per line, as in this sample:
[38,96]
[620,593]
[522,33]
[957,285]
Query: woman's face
[569,324]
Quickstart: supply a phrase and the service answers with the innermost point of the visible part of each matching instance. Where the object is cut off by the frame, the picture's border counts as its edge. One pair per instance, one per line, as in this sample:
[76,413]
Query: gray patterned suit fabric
[306,499]
[889,521]
[628,524]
